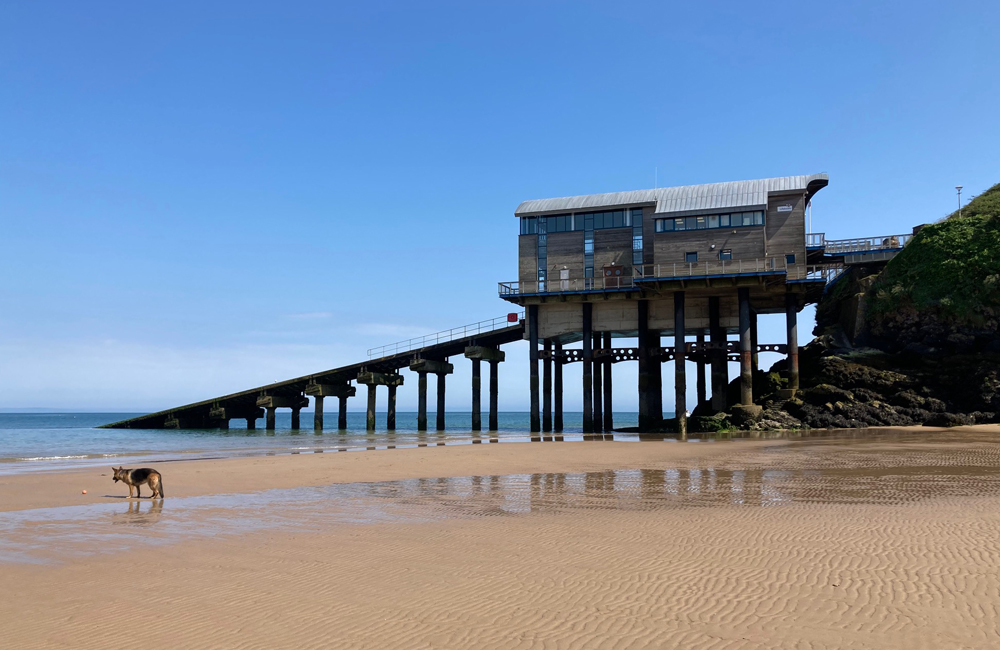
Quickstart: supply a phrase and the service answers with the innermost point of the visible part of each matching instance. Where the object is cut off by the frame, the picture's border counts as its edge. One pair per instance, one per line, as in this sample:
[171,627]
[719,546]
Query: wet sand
[878,541]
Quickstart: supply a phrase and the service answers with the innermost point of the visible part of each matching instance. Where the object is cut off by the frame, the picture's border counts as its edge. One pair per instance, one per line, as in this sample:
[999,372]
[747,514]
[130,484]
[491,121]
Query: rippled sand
[885,540]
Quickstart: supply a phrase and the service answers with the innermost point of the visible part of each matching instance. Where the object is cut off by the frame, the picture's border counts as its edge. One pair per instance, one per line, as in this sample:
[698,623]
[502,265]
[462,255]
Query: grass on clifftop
[950,268]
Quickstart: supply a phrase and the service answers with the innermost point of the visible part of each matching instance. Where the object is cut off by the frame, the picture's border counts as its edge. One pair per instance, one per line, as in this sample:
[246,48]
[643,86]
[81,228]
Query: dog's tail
[161,486]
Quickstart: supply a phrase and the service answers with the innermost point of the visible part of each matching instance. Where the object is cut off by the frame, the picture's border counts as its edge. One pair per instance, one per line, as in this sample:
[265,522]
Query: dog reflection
[140,513]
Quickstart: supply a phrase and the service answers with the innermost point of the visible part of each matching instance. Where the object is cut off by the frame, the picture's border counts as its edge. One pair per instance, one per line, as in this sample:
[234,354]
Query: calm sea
[41,441]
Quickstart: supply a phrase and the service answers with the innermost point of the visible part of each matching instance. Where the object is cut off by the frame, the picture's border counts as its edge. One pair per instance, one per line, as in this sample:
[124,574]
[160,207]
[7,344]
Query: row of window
[726,255]
[733,220]
[581,221]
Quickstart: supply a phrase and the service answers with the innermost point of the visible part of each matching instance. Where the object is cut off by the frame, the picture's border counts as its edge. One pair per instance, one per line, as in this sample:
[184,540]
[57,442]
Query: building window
[606,219]
[588,245]
[529,225]
[636,236]
[726,254]
[790,259]
[691,257]
[731,220]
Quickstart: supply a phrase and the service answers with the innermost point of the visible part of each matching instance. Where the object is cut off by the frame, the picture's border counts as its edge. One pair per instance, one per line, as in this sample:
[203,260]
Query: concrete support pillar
[701,368]
[598,389]
[746,360]
[494,393]
[588,368]
[251,424]
[269,418]
[609,423]
[370,419]
[680,375]
[547,387]
[477,395]
[224,424]
[421,401]
[318,413]
[440,400]
[792,333]
[535,423]
[390,413]
[558,387]
[645,361]
[718,356]
[342,413]
[296,418]
[754,359]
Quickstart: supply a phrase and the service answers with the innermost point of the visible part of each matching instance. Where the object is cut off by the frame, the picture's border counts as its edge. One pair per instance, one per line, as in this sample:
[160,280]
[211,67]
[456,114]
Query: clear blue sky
[199,197]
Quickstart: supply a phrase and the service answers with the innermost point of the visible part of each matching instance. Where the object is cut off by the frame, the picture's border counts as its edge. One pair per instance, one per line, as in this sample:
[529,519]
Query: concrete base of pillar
[786,393]
[745,413]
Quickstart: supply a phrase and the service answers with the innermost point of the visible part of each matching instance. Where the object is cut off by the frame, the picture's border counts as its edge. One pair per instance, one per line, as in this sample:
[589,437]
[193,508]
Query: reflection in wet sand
[880,470]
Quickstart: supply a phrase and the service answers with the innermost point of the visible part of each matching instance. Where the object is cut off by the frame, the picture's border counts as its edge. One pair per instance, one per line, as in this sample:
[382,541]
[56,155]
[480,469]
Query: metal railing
[865,244]
[680,270]
[455,333]
[815,239]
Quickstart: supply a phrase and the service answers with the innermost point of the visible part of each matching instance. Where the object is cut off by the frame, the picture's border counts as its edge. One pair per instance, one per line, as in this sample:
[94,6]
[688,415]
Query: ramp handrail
[866,244]
[482,327]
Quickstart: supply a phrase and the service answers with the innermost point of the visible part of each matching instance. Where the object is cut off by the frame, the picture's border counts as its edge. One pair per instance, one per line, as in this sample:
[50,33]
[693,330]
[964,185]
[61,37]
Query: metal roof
[686,199]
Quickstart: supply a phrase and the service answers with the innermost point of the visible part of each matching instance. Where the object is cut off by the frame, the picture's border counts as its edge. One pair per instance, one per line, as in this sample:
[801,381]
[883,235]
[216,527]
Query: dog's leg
[130,491]
[138,491]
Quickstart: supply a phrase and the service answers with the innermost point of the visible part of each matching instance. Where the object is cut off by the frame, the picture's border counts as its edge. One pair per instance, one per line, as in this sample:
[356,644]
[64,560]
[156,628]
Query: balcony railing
[455,333]
[652,272]
[865,244]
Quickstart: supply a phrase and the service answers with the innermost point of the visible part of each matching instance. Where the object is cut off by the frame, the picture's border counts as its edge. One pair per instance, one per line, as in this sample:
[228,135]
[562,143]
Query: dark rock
[948,420]
[710,423]
[824,394]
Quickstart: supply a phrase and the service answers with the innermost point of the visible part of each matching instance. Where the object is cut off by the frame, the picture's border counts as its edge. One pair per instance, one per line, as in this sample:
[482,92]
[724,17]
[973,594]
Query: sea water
[40,441]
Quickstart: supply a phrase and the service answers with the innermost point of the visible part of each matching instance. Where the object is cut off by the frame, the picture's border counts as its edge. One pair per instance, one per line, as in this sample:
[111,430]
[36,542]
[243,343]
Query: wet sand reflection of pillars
[588,367]
[609,423]
[598,390]
[547,387]
[558,387]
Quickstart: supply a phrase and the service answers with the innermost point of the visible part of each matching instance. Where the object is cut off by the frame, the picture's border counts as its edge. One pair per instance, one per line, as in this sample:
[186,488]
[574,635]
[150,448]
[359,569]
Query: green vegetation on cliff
[946,282]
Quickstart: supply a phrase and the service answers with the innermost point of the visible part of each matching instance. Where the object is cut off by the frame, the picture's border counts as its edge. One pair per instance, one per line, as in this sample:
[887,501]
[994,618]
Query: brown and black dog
[134,478]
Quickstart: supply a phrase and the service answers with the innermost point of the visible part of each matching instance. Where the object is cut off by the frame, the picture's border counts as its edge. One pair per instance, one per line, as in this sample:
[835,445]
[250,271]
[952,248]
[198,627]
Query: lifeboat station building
[689,266]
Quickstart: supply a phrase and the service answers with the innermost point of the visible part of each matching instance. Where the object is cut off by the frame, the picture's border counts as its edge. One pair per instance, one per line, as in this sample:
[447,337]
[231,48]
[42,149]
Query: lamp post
[959,188]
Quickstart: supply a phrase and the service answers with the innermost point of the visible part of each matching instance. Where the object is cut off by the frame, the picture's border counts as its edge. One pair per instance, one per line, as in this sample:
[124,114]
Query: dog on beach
[134,478]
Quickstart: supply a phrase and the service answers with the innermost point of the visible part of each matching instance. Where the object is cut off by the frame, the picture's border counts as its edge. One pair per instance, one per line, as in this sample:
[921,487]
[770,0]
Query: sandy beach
[886,540]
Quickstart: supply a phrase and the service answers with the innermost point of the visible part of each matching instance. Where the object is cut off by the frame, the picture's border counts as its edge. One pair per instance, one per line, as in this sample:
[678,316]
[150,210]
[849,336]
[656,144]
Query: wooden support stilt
[792,334]
[609,423]
[370,419]
[547,387]
[318,413]
[598,389]
[535,419]
[390,411]
[746,358]
[296,419]
[588,368]
[680,375]
[440,400]
[494,394]
[718,356]
[269,419]
[701,369]
[251,424]
[558,388]
[477,395]
[645,361]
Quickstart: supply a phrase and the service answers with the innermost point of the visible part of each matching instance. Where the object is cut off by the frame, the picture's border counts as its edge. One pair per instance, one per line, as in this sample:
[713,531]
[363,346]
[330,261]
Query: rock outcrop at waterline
[915,342]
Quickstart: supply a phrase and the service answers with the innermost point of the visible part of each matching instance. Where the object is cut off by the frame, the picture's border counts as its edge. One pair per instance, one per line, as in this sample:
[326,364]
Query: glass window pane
[713,221]
[628,218]
[691,257]
[637,243]
[702,223]
[758,218]
[723,220]
[748,218]
[690,223]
